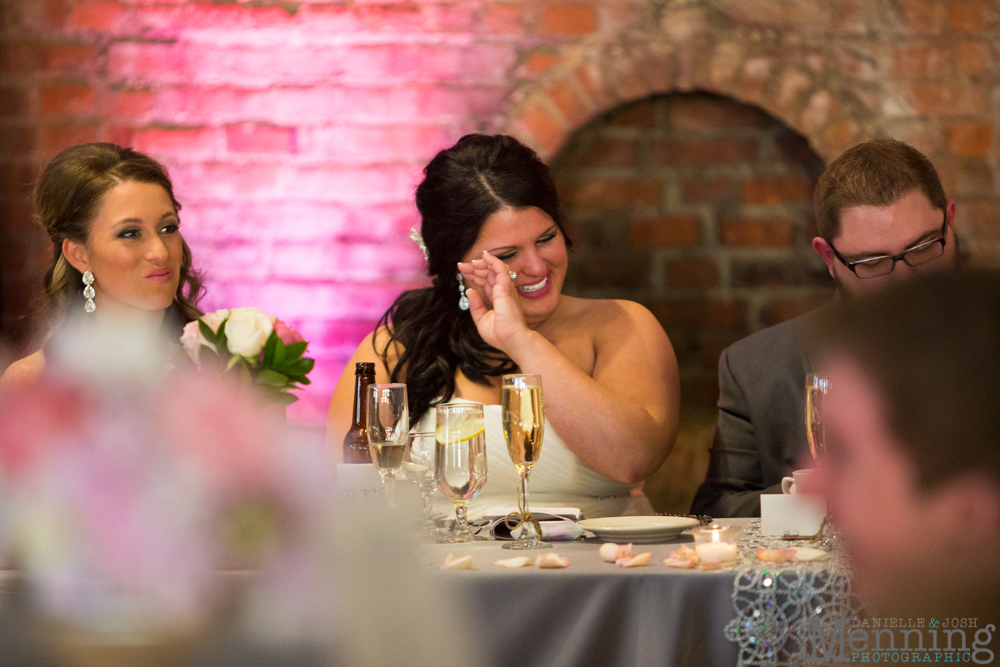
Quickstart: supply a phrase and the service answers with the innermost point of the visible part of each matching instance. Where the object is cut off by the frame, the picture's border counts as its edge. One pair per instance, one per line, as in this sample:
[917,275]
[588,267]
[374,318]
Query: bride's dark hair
[462,187]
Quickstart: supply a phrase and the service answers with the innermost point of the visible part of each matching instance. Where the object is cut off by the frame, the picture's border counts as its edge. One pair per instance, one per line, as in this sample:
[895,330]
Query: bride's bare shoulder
[23,370]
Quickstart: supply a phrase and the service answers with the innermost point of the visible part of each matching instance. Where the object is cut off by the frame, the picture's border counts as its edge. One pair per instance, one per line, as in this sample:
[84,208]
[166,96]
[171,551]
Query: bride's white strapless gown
[559,478]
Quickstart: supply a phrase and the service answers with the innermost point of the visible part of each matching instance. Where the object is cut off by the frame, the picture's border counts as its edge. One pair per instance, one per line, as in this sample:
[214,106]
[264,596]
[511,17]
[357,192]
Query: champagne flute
[388,424]
[523,414]
[817,387]
[461,460]
[419,468]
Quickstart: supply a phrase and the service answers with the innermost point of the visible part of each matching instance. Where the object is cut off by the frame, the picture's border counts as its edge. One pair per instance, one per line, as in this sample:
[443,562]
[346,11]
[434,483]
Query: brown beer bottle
[356,440]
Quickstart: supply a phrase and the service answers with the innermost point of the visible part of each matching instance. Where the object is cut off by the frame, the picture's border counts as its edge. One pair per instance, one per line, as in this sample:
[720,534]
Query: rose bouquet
[259,346]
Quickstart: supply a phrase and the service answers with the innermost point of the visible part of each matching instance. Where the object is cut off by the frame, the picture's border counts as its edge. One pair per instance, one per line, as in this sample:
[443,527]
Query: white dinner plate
[638,529]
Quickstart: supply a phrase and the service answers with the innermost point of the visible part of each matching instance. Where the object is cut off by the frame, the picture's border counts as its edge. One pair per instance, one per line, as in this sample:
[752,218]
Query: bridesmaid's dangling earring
[463,301]
[88,292]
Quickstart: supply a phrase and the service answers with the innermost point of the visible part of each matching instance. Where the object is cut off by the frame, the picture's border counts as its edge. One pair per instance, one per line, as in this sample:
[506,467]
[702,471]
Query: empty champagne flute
[817,387]
[388,424]
[523,414]
[461,460]
[419,467]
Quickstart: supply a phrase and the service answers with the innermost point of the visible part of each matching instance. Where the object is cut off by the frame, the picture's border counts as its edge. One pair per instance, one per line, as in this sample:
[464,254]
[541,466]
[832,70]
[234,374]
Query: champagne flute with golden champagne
[388,425]
[817,387]
[523,414]
[461,460]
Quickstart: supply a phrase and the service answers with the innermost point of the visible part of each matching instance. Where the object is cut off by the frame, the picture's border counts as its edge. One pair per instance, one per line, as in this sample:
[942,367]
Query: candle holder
[715,545]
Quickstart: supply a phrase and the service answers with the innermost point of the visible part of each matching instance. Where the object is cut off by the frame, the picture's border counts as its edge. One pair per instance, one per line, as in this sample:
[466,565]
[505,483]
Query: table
[594,613]
[591,613]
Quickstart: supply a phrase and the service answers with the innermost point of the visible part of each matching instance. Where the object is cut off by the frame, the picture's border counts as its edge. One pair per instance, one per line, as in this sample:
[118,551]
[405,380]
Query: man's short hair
[875,173]
[931,347]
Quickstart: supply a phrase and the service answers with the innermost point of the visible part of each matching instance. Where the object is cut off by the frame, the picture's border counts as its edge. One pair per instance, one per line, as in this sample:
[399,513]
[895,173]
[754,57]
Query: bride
[497,254]
[113,221]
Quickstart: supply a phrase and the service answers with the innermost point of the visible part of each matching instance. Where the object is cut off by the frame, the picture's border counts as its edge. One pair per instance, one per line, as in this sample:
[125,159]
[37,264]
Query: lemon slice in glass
[456,432]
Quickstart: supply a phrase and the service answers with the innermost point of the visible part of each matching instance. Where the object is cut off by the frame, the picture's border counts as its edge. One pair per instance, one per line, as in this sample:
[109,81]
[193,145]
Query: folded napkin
[501,511]
[554,528]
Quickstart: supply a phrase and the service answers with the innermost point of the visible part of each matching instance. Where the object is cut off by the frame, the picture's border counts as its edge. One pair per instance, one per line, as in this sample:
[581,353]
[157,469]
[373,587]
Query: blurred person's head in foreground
[912,471]
[114,222]
[882,217]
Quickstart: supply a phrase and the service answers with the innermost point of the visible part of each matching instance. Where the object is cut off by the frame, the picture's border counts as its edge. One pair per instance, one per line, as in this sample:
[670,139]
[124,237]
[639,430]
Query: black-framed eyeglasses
[873,267]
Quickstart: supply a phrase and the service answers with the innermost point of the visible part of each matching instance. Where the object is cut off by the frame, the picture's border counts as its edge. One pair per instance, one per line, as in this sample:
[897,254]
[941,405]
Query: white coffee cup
[798,478]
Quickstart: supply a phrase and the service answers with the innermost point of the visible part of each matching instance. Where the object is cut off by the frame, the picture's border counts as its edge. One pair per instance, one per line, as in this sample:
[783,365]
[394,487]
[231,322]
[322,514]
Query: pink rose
[287,334]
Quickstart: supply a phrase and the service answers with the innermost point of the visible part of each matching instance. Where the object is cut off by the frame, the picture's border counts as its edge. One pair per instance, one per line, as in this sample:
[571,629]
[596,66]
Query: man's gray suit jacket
[761,435]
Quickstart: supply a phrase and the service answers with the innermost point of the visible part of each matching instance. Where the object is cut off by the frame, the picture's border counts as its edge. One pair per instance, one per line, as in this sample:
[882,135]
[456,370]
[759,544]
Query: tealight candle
[715,544]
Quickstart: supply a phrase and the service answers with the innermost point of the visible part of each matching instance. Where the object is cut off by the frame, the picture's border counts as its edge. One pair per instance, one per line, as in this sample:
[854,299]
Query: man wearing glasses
[882,217]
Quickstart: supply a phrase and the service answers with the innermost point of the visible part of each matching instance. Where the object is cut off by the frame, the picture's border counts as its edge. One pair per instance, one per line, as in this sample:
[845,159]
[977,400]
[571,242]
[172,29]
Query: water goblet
[461,460]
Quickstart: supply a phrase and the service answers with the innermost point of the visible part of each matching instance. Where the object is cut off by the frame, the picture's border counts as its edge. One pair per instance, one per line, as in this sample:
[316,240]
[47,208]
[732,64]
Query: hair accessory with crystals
[88,291]
[418,238]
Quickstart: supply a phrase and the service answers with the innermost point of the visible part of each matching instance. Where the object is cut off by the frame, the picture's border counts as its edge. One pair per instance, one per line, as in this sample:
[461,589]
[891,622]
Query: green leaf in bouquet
[223,342]
[284,398]
[279,353]
[269,346]
[233,360]
[207,332]
[272,378]
[295,350]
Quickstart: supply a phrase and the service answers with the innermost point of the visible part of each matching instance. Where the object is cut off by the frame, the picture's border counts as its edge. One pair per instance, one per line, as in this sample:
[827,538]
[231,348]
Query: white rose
[247,330]
[214,319]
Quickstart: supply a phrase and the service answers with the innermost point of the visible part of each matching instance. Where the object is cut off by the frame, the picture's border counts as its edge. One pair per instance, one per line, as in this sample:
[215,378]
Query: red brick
[973,15]
[926,60]
[756,232]
[13,102]
[185,141]
[625,271]
[705,151]
[713,314]
[945,99]
[966,176]
[970,139]
[568,19]
[503,18]
[795,149]
[756,273]
[703,112]
[611,193]
[17,140]
[972,58]
[671,231]
[568,102]
[128,103]
[547,131]
[101,16]
[53,59]
[57,137]
[781,310]
[704,190]
[853,16]
[17,177]
[592,81]
[608,152]
[75,100]
[260,138]
[640,115]
[539,62]
[625,76]
[771,190]
[922,17]
[692,272]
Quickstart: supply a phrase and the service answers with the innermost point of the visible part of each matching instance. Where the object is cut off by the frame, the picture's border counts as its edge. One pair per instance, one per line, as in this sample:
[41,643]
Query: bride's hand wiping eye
[501,325]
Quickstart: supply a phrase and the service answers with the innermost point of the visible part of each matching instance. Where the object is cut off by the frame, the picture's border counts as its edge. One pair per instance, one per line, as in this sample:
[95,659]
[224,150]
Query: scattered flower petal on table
[517,561]
[808,553]
[634,561]
[776,556]
[611,552]
[552,561]
[452,563]
[685,558]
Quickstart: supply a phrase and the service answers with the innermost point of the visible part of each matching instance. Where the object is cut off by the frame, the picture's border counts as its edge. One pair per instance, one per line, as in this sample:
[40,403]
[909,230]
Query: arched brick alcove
[699,207]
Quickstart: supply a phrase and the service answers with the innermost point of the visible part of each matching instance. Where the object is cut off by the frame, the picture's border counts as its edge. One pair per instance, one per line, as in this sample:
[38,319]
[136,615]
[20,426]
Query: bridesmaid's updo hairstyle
[462,187]
[67,198]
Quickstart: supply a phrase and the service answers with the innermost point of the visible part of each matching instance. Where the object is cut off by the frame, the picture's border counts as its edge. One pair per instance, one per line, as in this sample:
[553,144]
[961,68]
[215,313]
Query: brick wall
[296,130]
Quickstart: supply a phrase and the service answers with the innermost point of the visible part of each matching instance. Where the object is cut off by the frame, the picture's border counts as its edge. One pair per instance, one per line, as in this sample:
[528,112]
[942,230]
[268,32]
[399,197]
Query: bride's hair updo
[462,187]
[67,199]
